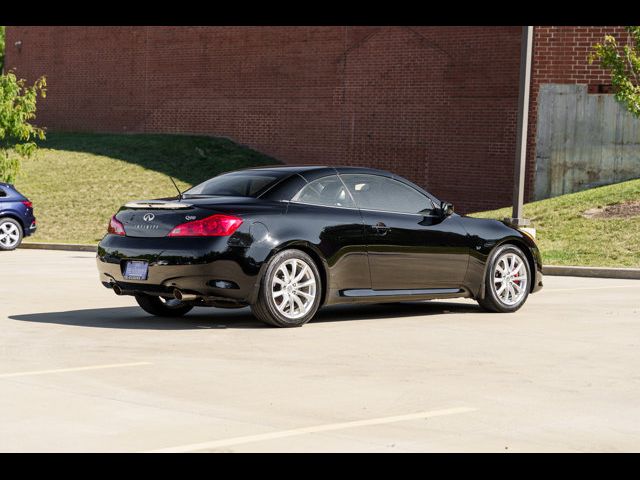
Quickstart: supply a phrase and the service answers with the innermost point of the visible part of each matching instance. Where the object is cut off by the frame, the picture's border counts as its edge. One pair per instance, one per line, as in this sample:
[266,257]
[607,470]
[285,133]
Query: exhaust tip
[185,297]
[117,290]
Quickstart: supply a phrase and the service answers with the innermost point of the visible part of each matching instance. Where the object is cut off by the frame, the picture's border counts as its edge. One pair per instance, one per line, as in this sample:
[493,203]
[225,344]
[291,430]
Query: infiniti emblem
[148,217]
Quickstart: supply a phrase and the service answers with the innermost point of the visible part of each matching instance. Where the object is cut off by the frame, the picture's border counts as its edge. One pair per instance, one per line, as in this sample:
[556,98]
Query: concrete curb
[552,270]
[69,247]
[597,272]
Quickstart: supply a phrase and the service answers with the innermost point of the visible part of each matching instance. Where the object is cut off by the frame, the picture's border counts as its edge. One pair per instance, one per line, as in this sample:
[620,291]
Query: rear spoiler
[159,204]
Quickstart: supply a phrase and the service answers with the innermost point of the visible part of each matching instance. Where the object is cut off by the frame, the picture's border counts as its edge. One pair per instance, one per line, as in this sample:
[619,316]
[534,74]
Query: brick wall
[435,104]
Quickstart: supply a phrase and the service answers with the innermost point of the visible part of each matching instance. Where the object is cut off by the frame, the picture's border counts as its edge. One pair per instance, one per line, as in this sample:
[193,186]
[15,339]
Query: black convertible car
[287,240]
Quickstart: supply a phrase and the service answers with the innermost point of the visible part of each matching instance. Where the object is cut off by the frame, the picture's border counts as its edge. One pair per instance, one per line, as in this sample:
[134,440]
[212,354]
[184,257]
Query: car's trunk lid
[156,218]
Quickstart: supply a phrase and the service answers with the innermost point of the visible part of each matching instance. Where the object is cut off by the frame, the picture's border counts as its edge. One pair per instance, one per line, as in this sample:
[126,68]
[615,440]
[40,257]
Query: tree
[623,61]
[17,135]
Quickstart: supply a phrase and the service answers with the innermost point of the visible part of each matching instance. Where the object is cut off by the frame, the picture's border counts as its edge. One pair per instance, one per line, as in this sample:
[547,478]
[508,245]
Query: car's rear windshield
[241,184]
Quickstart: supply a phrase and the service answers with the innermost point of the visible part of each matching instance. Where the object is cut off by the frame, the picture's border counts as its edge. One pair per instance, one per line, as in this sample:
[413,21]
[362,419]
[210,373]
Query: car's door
[410,245]
[328,212]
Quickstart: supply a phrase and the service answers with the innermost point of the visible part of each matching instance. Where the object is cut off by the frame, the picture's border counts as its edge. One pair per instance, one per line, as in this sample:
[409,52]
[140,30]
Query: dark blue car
[16,217]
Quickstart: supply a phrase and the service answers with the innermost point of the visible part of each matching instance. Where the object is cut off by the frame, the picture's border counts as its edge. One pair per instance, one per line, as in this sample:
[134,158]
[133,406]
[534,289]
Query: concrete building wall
[584,140]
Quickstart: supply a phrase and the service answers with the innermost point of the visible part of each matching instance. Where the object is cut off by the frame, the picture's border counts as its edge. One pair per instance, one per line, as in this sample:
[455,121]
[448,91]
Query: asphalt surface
[84,370]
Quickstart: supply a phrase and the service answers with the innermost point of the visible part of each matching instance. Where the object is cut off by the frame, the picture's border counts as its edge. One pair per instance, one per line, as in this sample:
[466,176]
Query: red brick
[436,104]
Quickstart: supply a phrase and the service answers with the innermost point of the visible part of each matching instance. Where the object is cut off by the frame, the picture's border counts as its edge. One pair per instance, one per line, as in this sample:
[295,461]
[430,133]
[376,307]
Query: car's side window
[327,191]
[375,192]
[2,193]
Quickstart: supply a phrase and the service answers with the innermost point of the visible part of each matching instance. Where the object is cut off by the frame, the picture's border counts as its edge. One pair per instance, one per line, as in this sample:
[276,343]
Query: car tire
[162,308]
[301,290]
[507,280]
[11,234]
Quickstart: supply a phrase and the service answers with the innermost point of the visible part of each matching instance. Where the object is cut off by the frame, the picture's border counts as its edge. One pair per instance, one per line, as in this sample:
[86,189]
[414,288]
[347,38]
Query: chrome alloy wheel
[510,280]
[9,234]
[293,288]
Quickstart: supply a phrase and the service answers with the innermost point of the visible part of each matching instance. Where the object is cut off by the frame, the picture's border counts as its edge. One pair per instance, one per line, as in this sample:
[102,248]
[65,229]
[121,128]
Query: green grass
[567,238]
[77,181]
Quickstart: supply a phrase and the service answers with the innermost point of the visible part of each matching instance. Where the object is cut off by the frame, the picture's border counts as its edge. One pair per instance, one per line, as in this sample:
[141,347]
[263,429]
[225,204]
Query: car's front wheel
[290,290]
[10,234]
[507,281]
[162,307]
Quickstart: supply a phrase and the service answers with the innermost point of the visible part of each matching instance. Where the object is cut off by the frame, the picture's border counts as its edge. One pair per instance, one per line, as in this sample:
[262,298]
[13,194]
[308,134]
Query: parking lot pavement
[84,370]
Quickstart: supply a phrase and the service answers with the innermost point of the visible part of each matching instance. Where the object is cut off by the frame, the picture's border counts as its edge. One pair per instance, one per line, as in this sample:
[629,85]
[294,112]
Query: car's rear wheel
[290,290]
[162,307]
[507,283]
[10,234]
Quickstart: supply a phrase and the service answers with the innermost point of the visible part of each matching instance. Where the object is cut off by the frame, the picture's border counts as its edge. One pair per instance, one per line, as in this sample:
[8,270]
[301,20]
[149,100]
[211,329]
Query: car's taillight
[213,226]
[115,227]
[27,204]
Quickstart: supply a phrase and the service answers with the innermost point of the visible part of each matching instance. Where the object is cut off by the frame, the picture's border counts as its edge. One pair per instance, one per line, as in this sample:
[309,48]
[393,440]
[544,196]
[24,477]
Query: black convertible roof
[288,168]
[293,169]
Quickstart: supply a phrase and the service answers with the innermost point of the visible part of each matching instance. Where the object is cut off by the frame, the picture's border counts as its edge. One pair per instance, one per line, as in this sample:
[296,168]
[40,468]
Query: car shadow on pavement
[135,318]
[376,311]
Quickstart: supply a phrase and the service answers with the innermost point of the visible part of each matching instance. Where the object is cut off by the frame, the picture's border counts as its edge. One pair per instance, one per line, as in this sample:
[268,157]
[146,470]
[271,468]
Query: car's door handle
[381,229]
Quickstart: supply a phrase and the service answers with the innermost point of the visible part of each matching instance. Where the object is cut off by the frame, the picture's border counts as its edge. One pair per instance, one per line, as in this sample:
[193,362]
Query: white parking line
[303,431]
[75,369]
[589,288]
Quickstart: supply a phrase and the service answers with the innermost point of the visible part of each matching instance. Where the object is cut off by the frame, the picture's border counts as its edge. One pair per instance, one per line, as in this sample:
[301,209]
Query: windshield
[244,184]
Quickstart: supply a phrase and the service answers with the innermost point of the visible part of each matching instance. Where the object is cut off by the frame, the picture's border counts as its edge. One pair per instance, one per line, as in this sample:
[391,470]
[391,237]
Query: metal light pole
[522,123]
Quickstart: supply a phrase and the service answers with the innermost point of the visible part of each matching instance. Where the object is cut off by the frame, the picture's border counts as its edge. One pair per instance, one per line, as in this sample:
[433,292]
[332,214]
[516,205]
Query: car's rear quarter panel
[11,206]
[191,263]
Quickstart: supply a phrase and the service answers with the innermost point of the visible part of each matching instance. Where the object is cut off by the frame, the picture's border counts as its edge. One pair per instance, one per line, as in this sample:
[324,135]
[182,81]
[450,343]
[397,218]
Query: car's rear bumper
[31,229]
[192,265]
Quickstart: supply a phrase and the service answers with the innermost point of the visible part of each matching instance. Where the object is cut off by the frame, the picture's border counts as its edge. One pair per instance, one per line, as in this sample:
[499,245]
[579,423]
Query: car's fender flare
[307,247]
[518,242]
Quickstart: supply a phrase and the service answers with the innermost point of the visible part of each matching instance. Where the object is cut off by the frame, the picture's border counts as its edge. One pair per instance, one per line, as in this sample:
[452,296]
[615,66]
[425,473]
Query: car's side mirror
[446,209]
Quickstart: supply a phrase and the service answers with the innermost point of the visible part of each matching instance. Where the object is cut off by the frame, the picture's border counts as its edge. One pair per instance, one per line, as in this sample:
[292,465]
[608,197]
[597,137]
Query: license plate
[136,270]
